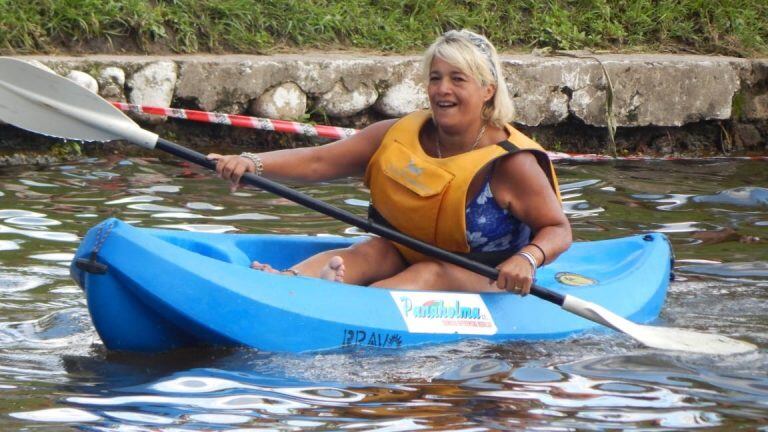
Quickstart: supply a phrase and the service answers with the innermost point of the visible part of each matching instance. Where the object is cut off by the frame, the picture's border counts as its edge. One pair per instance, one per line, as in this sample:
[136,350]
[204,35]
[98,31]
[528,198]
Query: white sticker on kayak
[429,312]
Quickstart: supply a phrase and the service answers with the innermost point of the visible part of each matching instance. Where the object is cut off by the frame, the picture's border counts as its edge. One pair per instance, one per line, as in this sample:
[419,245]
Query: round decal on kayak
[573,279]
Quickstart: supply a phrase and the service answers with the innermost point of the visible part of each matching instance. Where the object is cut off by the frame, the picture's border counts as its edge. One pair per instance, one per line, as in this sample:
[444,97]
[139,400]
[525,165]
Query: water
[55,375]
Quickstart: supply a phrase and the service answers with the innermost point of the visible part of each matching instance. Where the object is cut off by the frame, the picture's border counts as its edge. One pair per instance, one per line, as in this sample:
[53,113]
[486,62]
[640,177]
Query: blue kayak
[153,290]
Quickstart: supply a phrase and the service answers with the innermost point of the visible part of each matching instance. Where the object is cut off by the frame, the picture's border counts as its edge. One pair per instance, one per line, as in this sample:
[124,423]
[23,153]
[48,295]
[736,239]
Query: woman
[457,176]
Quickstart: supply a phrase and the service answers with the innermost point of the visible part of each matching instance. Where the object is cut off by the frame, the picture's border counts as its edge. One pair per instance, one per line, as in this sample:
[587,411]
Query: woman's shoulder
[514,165]
[385,124]
[379,128]
[519,158]
[368,139]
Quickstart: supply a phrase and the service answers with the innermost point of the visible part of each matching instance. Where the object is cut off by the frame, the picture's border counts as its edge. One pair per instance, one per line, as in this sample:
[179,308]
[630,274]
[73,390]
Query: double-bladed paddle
[43,102]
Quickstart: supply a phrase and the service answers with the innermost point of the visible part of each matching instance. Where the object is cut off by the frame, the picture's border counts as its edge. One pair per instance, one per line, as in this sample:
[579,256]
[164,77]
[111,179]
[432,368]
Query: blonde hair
[474,55]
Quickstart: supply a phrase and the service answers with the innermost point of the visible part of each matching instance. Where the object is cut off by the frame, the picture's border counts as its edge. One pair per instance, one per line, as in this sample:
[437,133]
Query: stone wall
[550,92]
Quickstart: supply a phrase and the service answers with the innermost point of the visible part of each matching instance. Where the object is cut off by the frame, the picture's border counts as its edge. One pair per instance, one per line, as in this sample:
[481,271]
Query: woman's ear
[488,92]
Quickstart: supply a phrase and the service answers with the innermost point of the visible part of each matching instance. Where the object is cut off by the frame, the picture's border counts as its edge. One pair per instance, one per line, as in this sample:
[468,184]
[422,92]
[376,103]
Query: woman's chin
[453,125]
[448,117]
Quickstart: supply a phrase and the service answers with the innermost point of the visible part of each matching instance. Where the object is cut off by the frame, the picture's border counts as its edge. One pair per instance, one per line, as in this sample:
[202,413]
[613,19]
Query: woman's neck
[449,143]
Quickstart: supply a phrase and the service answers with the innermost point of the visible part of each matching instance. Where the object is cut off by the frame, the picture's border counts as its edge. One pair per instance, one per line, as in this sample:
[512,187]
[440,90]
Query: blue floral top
[491,228]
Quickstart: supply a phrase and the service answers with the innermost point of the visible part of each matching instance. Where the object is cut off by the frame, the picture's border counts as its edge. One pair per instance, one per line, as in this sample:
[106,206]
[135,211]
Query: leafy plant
[732,27]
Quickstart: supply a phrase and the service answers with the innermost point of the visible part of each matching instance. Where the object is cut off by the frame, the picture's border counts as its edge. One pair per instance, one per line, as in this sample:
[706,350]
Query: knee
[428,272]
[376,249]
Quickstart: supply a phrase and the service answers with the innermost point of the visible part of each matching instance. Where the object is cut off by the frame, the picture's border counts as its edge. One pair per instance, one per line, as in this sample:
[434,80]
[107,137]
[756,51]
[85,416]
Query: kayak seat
[284,251]
[222,251]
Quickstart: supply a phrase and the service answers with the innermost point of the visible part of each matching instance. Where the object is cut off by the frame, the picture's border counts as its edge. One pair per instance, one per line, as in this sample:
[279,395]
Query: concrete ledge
[648,90]
[549,91]
[660,90]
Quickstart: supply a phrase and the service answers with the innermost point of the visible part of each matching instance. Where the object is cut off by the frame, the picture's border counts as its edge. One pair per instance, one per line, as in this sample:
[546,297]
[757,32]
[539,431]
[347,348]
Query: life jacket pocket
[410,193]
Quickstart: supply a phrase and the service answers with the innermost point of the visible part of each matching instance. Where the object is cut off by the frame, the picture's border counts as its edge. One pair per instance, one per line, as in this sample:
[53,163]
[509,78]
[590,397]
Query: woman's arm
[521,186]
[343,158]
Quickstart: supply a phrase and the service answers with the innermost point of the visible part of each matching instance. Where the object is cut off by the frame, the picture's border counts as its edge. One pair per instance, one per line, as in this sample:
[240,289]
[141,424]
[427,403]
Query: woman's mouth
[445,105]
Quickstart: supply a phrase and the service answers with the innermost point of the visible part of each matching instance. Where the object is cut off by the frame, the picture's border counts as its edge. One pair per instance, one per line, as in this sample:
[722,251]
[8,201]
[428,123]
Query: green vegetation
[65,149]
[735,27]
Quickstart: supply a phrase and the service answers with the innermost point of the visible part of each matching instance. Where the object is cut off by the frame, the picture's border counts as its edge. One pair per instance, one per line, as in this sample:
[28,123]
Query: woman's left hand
[515,275]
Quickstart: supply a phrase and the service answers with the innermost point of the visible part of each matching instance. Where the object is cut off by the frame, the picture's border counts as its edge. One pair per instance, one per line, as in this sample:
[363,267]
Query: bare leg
[371,260]
[377,262]
[437,276]
[333,270]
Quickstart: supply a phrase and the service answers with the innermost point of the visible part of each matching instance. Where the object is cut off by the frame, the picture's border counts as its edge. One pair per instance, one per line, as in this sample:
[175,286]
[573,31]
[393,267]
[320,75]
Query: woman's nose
[443,86]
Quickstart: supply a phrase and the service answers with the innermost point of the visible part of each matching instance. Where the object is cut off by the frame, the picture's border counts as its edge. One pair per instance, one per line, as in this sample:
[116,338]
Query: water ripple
[105,174]
[201,228]
[241,216]
[580,209]
[260,404]
[220,419]
[195,384]
[669,201]
[61,415]
[59,375]
[580,392]
[15,213]
[157,208]
[180,215]
[746,270]
[357,202]
[476,369]
[742,196]
[203,206]
[57,329]
[160,189]
[57,256]
[36,184]
[675,419]
[142,418]
[680,227]
[40,234]
[135,199]
[18,282]
[327,396]
[568,187]
[9,245]
[32,221]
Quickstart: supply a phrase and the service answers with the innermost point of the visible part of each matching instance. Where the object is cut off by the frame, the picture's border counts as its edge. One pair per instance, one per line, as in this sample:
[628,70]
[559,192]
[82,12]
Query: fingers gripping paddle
[42,102]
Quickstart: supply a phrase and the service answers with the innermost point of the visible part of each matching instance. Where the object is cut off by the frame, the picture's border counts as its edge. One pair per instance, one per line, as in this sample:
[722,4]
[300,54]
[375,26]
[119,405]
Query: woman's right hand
[516,275]
[232,168]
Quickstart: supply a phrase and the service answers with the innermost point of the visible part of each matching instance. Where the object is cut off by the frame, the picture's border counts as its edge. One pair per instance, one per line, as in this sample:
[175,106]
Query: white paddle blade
[670,338]
[658,337]
[37,100]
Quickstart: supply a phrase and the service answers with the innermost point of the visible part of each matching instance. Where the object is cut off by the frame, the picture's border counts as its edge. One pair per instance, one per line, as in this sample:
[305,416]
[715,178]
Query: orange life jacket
[425,197]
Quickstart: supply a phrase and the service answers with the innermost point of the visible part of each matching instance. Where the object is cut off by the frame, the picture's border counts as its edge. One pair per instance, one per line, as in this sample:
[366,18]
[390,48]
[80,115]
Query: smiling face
[456,98]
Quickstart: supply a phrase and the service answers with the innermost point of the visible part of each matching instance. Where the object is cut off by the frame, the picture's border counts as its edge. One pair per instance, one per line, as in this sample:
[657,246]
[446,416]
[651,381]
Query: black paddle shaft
[352,219]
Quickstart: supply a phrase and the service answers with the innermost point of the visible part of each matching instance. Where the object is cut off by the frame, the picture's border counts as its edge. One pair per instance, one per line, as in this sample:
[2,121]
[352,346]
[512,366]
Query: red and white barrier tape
[334,132]
[284,126]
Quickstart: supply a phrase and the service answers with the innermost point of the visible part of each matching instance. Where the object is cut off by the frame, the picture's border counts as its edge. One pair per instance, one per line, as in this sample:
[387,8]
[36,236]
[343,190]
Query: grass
[734,27]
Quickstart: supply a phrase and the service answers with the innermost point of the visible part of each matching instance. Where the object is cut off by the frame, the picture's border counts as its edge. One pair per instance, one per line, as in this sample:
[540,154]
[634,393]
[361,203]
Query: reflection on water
[57,374]
[742,196]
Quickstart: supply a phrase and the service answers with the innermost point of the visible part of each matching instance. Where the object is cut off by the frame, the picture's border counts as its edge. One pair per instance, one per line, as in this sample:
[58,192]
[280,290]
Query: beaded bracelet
[531,260]
[257,162]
